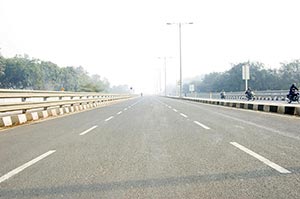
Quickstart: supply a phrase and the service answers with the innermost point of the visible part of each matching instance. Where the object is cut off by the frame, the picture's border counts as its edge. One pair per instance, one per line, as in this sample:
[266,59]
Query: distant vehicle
[293,97]
[223,95]
[250,95]
[141,94]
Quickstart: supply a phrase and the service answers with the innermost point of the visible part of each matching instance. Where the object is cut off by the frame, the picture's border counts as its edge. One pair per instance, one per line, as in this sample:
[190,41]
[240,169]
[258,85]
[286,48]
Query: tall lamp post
[165,68]
[180,61]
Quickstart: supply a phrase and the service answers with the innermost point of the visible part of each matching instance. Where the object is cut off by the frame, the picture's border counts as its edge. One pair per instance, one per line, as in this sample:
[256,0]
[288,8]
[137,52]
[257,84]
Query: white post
[246,75]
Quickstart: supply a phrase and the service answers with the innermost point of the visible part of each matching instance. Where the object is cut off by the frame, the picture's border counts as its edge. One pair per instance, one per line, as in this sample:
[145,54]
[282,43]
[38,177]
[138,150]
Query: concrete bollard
[19,119]
[281,109]
[60,111]
[53,112]
[66,110]
[76,108]
[32,116]
[297,111]
[266,108]
[43,114]
[6,121]
[255,107]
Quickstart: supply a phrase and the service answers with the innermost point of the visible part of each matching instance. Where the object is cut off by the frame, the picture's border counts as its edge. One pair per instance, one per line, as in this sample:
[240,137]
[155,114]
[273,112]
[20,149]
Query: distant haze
[121,40]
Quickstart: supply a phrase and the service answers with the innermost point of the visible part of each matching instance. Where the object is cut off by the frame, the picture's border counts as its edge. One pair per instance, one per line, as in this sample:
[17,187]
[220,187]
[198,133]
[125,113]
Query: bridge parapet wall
[21,106]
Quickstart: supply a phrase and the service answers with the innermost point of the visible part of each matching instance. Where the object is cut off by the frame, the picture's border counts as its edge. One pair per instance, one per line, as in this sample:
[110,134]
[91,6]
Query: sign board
[192,87]
[246,72]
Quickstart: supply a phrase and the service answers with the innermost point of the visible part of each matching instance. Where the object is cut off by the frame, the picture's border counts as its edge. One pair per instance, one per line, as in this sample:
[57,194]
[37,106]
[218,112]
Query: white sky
[121,39]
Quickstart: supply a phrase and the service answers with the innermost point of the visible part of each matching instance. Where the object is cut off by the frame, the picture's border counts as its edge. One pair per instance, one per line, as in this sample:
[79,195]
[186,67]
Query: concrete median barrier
[272,107]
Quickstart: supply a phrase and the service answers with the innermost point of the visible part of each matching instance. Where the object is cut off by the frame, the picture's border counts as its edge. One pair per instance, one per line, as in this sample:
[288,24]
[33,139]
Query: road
[153,147]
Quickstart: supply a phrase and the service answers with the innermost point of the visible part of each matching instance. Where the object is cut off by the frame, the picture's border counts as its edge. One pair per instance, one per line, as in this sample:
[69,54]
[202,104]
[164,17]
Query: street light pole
[165,69]
[165,76]
[180,58]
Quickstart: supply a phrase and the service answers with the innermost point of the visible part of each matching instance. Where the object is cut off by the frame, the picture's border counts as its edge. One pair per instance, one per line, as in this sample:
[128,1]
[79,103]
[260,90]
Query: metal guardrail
[26,100]
[276,95]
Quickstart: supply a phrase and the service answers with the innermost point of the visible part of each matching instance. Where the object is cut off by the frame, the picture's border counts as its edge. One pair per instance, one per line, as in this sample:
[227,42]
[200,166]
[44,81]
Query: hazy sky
[121,39]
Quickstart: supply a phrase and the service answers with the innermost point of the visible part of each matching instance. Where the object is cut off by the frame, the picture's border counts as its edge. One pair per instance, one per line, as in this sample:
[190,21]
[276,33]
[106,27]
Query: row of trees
[22,72]
[260,78]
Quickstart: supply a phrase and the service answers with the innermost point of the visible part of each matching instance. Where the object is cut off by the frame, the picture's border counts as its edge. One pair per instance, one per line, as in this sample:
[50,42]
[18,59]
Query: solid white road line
[111,117]
[119,113]
[125,109]
[202,125]
[85,132]
[261,158]
[175,110]
[24,166]
[183,115]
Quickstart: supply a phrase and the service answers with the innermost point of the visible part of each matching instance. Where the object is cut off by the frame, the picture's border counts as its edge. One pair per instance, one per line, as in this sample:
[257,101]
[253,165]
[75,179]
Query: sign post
[192,88]
[246,75]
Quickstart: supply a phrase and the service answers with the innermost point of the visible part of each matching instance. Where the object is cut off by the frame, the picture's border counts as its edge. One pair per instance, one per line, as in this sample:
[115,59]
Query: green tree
[2,65]
[289,73]
[22,72]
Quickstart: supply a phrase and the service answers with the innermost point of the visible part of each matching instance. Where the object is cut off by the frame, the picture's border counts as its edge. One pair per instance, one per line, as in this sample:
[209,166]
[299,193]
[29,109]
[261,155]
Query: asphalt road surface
[153,147]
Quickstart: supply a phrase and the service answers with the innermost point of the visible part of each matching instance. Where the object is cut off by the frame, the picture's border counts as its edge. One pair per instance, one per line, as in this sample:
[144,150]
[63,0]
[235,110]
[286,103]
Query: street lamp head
[169,23]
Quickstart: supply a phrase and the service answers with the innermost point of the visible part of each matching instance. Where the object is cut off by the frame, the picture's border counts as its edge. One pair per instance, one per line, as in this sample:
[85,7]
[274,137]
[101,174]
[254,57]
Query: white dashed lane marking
[261,158]
[202,125]
[183,115]
[24,166]
[111,117]
[90,129]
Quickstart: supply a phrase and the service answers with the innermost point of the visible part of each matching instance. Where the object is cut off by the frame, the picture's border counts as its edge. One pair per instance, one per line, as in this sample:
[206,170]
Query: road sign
[246,72]
[192,87]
